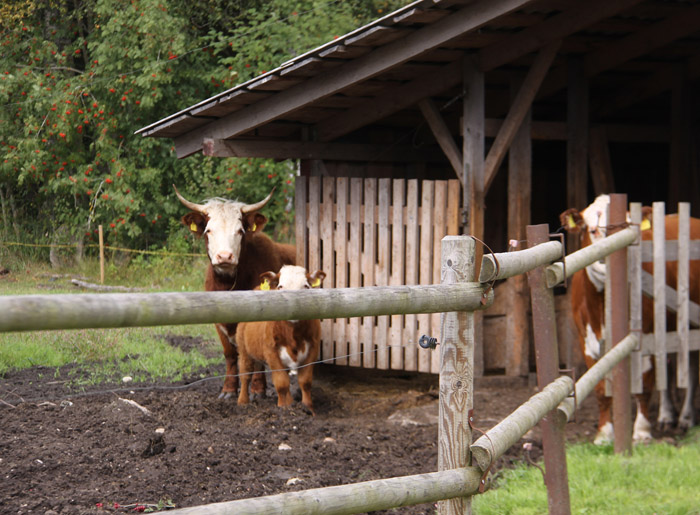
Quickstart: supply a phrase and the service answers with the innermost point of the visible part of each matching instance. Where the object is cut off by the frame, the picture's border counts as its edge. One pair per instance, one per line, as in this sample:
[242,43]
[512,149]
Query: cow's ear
[195,222]
[316,279]
[572,221]
[647,215]
[269,280]
[253,222]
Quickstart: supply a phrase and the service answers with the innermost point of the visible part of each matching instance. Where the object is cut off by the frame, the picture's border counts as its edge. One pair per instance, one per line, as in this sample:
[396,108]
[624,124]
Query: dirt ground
[94,452]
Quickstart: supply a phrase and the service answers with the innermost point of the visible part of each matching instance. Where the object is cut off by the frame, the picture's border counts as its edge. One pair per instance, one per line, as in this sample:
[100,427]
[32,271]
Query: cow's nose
[225,258]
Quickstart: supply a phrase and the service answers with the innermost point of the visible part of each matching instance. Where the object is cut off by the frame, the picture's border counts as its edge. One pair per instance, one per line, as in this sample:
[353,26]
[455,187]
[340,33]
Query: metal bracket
[572,373]
[561,236]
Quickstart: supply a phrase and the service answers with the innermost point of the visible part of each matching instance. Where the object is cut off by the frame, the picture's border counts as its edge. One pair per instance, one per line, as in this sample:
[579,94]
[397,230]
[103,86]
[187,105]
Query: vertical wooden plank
[683,289]
[382,277]
[300,213]
[634,255]
[412,242]
[576,140]
[519,200]
[313,223]
[473,145]
[659,241]
[439,230]
[457,372]
[327,258]
[454,190]
[426,264]
[398,249]
[355,245]
[341,265]
[369,262]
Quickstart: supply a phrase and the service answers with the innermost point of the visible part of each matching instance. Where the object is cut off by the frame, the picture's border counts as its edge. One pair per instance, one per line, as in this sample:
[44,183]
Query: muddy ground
[94,452]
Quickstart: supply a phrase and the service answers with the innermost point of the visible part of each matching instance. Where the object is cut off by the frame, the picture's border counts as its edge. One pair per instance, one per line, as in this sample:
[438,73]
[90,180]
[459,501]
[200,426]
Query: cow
[283,345]
[587,301]
[239,252]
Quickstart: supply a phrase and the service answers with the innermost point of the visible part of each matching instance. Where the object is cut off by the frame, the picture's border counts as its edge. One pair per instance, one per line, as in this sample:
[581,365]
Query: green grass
[101,354]
[657,479]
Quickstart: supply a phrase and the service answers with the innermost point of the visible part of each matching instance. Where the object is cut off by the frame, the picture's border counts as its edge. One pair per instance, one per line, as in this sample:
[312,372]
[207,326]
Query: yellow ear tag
[645,225]
[193,227]
[316,283]
[572,224]
[265,286]
[255,226]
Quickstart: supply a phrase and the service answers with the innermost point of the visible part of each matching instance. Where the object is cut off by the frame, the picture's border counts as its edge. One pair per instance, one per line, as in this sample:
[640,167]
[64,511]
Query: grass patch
[658,478]
[102,354]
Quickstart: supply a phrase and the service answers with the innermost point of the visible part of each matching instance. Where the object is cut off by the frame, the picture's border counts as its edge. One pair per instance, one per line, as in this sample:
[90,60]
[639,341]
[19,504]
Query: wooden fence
[376,232]
[459,296]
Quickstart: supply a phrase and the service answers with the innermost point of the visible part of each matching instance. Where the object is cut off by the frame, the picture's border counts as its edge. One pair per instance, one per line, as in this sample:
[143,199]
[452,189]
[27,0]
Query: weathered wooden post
[619,316]
[102,255]
[547,359]
[456,370]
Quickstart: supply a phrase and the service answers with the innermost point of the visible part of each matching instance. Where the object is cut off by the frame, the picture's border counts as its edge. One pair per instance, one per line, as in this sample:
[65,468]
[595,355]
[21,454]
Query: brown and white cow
[286,346]
[239,252]
[587,299]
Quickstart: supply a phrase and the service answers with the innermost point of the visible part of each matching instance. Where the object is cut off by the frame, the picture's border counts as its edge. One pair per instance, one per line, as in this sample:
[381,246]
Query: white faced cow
[238,253]
[587,299]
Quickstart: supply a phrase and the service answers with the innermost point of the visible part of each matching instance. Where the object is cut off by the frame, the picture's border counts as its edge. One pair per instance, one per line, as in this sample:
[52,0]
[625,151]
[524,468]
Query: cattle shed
[464,116]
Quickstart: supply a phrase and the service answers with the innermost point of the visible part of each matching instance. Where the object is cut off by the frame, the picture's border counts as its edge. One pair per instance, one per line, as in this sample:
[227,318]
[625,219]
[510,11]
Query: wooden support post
[474,185]
[102,255]
[617,271]
[681,131]
[442,134]
[577,141]
[547,358]
[601,167]
[456,370]
[519,196]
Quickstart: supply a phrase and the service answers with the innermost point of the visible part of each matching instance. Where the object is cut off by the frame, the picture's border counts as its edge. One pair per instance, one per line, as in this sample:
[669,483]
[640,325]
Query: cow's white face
[293,278]
[595,217]
[224,223]
[224,234]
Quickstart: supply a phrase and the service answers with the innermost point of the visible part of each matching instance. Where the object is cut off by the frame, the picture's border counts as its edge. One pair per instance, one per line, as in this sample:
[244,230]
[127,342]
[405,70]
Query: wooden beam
[442,135]
[681,130]
[599,162]
[275,149]
[432,36]
[581,15]
[390,102]
[473,143]
[577,141]
[640,43]
[519,109]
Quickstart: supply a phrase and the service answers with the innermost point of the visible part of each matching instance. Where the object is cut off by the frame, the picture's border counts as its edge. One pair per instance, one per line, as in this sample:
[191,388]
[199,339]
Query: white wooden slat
[634,271]
[671,250]
[327,265]
[410,340]
[398,248]
[353,335]
[659,239]
[683,289]
[426,265]
[341,264]
[383,263]
[368,268]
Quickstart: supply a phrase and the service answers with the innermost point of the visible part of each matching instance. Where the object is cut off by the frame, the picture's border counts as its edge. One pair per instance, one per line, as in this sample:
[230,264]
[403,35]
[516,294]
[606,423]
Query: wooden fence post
[547,359]
[456,370]
[619,315]
[102,254]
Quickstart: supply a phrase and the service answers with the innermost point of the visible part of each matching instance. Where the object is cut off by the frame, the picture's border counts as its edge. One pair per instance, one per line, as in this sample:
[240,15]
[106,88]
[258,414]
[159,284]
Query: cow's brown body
[587,300]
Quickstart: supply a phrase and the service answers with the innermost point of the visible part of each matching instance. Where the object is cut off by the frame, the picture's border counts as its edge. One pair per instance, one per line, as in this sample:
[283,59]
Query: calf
[283,345]
[587,299]
[238,253]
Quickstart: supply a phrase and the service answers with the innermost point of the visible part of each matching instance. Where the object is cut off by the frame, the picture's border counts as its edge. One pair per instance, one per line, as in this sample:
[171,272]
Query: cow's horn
[249,208]
[191,205]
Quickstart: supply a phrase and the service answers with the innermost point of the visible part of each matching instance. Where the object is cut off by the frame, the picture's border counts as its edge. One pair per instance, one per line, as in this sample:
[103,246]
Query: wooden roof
[630,50]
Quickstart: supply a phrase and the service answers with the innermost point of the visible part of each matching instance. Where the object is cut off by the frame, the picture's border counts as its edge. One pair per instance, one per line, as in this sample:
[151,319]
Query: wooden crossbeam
[465,20]
[442,135]
[609,56]
[276,149]
[671,299]
[519,109]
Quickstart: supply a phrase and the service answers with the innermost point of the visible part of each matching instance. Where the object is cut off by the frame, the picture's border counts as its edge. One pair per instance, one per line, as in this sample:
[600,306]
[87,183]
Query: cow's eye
[241,232]
[307,286]
[279,287]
